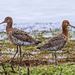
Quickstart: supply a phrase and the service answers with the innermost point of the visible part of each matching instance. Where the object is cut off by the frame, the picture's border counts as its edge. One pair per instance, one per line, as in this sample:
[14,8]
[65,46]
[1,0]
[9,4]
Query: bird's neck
[65,31]
[9,26]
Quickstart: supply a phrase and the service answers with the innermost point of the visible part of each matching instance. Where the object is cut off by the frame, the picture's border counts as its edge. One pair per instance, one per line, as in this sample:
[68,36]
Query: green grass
[63,69]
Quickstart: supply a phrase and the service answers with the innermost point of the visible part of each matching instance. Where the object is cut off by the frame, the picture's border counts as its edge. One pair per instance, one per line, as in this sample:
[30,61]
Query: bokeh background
[29,13]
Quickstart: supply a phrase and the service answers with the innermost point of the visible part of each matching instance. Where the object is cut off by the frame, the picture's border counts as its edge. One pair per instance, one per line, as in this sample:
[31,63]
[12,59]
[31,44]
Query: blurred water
[29,13]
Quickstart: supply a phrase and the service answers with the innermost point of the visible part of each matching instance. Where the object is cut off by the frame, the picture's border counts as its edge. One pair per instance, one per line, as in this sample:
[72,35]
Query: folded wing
[23,36]
[55,43]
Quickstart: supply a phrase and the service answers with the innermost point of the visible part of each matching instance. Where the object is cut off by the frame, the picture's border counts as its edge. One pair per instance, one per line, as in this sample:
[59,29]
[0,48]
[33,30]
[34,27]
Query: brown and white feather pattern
[19,37]
[55,43]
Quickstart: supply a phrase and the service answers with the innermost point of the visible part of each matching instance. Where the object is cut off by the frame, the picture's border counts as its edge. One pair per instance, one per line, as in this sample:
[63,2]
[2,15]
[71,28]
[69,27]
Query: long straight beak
[71,26]
[2,22]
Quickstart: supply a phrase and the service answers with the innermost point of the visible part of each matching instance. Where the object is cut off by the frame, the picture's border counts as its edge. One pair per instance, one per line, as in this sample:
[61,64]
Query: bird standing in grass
[59,41]
[18,37]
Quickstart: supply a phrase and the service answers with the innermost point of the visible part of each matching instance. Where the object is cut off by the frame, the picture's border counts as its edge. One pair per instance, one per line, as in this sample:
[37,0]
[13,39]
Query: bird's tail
[38,42]
[38,47]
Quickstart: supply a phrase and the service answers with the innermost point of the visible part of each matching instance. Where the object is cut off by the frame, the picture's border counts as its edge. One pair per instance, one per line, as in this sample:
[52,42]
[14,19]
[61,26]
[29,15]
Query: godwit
[59,41]
[18,37]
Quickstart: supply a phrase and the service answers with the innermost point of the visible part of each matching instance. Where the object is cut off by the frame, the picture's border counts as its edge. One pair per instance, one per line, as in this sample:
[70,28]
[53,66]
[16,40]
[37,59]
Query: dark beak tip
[72,26]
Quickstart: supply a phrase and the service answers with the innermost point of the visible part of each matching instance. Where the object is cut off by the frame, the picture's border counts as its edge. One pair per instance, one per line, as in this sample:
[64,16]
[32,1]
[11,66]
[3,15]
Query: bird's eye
[68,22]
[6,19]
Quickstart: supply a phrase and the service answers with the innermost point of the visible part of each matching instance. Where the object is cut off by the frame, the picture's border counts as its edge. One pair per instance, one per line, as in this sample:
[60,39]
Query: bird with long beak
[59,41]
[18,37]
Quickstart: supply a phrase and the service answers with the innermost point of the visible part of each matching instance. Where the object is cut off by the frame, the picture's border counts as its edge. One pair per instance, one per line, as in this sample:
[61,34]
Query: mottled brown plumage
[23,36]
[18,37]
[55,43]
[59,41]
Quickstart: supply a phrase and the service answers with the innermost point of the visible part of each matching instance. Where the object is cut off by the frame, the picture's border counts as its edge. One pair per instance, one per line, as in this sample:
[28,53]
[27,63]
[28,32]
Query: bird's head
[66,23]
[7,20]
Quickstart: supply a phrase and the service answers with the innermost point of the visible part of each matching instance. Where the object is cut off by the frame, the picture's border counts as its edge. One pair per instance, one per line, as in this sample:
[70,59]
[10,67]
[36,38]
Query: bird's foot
[10,60]
[56,63]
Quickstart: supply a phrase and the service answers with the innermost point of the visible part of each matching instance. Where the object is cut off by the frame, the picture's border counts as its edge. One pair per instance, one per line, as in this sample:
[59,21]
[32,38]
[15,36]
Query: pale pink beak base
[72,26]
[2,22]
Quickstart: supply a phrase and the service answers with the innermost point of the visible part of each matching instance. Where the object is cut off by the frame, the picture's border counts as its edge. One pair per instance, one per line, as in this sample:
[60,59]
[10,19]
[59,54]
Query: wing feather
[22,36]
[55,43]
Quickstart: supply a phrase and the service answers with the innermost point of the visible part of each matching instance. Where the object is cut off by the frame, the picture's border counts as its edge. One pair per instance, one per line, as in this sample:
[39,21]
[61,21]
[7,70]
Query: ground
[38,62]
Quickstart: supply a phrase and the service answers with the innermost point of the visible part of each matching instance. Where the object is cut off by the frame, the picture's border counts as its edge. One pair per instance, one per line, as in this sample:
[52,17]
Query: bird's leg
[3,67]
[55,58]
[15,53]
[12,68]
[20,54]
